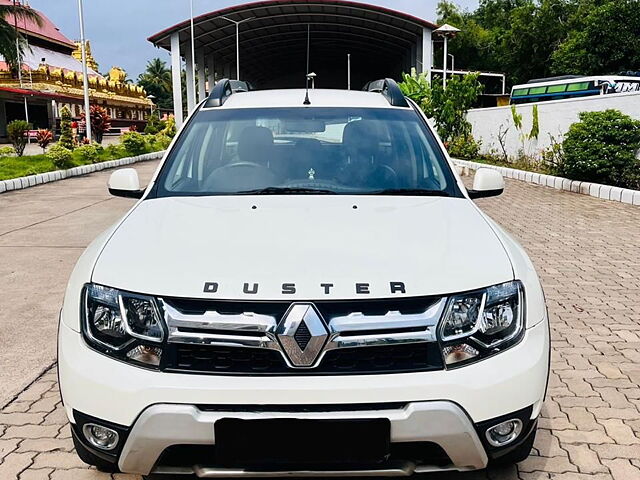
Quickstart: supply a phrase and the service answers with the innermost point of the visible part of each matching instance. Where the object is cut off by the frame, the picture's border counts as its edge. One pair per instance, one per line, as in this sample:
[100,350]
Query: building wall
[554,118]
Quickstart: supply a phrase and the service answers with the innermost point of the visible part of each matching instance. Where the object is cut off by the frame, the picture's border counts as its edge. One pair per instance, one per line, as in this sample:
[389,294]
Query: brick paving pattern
[587,252]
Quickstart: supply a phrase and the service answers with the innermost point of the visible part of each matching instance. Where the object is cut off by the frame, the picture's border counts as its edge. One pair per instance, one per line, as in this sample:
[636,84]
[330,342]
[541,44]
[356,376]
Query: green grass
[14,167]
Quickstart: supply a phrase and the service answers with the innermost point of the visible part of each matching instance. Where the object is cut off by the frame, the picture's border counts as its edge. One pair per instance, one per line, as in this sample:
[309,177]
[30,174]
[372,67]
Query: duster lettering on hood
[361,288]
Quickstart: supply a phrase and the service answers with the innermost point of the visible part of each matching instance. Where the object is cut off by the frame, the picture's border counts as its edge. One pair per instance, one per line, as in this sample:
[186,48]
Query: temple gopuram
[52,78]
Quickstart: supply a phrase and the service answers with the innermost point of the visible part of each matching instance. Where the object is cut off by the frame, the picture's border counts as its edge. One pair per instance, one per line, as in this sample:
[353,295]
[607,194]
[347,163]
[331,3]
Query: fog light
[144,354]
[101,437]
[458,353]
[504,433]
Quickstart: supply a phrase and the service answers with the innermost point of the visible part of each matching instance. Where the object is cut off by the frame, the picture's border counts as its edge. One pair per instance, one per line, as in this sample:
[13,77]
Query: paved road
[43,231]
[587,252]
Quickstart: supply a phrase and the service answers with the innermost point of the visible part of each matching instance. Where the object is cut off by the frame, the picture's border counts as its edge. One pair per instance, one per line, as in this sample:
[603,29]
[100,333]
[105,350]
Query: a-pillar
[176,78]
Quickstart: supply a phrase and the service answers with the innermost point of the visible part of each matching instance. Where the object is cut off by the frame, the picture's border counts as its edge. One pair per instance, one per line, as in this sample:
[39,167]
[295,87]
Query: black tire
[91,458]
[520,453]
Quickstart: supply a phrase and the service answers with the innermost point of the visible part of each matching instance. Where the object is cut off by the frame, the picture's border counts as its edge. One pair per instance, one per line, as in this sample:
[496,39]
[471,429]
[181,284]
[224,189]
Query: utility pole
[85,71]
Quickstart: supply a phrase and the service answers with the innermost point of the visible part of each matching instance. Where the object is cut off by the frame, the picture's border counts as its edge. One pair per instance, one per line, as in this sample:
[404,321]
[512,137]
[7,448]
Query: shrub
[7,151]
[88,153]
[44,138]
[170,129]
[60,156]
[154,125]
[161,141]
[100,122]
[17,132]
[602,148]
[464,146]
[66,134]
[134,143]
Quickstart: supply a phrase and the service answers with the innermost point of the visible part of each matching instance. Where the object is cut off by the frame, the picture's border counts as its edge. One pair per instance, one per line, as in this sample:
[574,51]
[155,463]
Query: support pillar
[176,78]
[211,68]
[202,76]
[427,52]
[191,91]
[227,70]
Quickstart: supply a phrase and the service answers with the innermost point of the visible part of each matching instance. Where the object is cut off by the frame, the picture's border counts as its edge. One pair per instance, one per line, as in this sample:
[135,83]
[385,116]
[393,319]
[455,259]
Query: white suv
[305,288]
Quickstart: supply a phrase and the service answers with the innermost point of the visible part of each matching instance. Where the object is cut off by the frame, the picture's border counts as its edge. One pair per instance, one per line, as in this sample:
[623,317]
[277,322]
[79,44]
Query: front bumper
[164,409]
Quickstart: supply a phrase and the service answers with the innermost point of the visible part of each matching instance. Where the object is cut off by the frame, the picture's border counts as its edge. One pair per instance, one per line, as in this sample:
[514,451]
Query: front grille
[393,335]
[413,357]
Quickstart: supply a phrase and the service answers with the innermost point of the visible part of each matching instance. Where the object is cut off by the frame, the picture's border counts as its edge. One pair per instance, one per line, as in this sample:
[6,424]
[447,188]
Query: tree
[10,14]
[17,132]
[156,80]
[606,40]
[66,134]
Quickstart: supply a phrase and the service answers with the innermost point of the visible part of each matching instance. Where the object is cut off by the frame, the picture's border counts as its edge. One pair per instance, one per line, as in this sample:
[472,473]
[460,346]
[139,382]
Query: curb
[597,190]
[21,183]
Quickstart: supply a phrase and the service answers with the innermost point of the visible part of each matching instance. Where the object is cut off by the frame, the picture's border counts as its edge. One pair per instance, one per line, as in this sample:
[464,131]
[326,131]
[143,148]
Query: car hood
[239,245]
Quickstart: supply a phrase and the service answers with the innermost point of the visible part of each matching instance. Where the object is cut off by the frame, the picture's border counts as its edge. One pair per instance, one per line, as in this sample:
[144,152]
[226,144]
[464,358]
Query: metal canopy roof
[273,44]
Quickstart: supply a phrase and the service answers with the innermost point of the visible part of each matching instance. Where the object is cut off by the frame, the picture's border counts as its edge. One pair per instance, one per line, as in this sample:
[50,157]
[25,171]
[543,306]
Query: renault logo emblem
[302,334]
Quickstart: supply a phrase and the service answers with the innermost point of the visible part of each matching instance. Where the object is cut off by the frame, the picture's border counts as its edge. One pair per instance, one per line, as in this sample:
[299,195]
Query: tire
[91,458]
[518,454]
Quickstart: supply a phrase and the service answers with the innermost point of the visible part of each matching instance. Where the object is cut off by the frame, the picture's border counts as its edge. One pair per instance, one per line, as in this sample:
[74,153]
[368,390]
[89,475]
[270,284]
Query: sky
[118,29]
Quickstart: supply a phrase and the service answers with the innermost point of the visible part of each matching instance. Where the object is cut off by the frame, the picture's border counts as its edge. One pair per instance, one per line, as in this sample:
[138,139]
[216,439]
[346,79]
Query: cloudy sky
[118,29]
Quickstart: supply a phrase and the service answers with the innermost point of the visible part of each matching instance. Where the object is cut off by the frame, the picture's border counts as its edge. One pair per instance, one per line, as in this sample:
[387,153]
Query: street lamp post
[446,31]
[85,77]
[237,23]
[193,52]
[152,98]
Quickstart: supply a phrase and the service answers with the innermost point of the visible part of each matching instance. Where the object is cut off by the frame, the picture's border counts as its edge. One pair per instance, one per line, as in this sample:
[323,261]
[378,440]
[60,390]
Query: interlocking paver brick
[586,252]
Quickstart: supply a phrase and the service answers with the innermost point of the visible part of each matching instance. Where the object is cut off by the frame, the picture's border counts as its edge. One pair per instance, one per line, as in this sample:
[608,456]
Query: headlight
[481,323]
[123,325]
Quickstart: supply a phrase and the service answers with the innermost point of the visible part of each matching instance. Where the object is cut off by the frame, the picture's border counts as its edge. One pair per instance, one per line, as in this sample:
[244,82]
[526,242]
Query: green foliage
[154,125]
[161,142]
[134,143]
[156,80]
[170,128]
[602,148]
[448,107]
[535,125]
[7,151]
[66,133]
[415,86]
[537,38]
[17,132]
[464,147]
[88,153]
[517,118]
[60,156]
[605,39]
[11,41]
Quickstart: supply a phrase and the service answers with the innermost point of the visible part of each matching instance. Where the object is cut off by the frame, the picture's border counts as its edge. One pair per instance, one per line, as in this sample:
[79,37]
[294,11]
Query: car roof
[296,97]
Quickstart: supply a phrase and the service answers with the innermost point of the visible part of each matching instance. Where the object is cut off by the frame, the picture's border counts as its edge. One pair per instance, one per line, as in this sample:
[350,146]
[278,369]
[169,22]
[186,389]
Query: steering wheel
[240,176]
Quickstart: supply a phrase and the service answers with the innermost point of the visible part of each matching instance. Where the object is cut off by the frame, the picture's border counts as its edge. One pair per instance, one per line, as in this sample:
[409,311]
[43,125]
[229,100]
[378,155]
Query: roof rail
[390,89]
[219,94]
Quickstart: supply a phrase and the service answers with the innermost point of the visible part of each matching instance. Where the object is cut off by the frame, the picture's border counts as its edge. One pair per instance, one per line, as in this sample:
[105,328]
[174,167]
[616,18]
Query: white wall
[555,117]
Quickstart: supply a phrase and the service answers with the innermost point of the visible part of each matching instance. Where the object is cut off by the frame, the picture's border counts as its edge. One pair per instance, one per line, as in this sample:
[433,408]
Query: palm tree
[12,43]
[156,80]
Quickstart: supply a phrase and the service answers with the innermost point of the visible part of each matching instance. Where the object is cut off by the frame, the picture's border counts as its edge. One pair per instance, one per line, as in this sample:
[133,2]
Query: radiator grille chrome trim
[255,330]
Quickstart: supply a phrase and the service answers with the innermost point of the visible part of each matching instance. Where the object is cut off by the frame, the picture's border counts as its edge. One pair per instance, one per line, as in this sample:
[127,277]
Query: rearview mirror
[125,183]
[487,183]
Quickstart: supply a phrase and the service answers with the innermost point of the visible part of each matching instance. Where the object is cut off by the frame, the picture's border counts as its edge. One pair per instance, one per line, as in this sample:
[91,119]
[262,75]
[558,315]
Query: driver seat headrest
[255,144]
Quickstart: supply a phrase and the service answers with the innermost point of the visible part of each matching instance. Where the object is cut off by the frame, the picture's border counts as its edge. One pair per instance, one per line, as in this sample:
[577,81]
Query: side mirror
[487,183]
[125,183]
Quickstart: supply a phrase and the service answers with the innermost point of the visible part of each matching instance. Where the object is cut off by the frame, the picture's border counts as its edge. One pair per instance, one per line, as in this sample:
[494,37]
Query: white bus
[572,86]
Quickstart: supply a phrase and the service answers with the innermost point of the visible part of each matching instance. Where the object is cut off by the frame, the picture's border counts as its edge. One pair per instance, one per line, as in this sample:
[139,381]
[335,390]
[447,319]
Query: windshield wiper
[287,191]
[410,192]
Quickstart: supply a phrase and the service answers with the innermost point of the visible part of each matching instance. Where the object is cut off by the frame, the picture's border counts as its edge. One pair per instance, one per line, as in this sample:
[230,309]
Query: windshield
[306,151]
